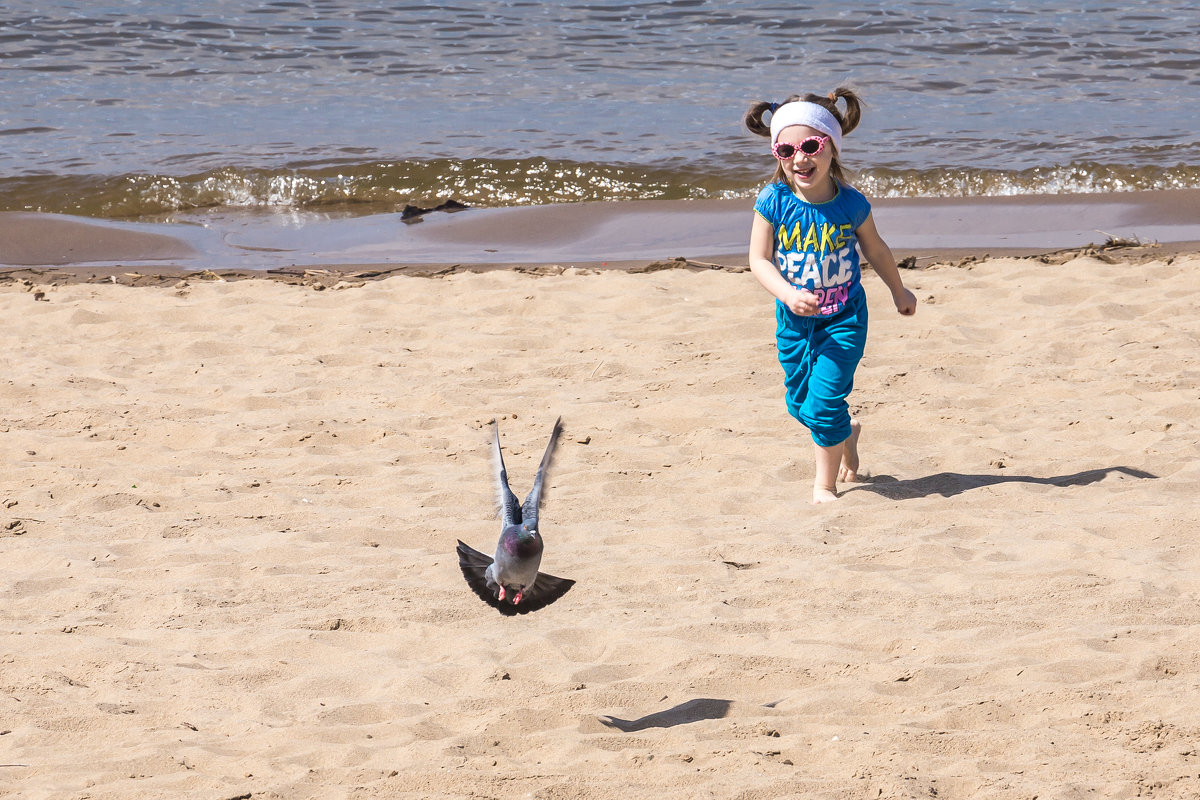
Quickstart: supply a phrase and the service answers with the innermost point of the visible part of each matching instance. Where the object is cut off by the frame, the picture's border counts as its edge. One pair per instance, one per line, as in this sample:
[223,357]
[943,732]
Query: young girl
[807,222]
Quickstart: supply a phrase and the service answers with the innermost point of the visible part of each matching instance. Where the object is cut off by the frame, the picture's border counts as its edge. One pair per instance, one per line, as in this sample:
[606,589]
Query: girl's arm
[884,263]
[762,264]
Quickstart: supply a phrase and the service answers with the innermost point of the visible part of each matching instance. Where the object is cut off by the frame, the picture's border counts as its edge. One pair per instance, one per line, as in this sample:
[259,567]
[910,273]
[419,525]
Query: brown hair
[849,121]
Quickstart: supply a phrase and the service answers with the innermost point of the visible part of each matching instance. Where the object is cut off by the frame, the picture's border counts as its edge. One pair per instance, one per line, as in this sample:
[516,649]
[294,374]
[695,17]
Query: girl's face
[808,175]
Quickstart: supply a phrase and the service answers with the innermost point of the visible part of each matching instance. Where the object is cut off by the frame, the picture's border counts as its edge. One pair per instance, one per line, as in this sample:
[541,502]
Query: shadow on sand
[949,484]
[682,714]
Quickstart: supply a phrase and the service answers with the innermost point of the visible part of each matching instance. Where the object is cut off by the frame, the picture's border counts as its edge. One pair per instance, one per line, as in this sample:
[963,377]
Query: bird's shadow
[950,484]
[683,714]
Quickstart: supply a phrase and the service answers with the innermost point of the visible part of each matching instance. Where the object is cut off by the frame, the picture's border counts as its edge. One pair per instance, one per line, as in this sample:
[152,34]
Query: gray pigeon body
[510,581]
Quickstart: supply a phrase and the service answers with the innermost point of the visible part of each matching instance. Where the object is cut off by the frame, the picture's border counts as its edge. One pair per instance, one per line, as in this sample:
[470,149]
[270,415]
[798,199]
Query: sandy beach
[230,509]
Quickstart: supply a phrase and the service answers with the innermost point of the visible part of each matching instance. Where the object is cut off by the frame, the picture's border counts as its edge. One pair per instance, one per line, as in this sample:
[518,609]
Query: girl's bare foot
[849,468]
[823,495]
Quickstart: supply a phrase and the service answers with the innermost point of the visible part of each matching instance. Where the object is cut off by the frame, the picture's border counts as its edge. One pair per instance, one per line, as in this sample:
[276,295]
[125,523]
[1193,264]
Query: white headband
[805,113]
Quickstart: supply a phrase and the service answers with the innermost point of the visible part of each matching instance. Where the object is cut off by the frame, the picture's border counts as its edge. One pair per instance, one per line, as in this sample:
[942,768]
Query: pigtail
[854,106]
[754,118]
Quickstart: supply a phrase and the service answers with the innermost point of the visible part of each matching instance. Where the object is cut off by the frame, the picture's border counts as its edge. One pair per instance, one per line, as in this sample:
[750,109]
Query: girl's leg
[819,363]
[849,468]
[828,459]
[837,464]
[838,348]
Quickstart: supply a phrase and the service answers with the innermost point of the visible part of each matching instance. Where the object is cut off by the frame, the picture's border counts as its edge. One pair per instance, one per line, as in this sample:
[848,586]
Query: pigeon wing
[533,502]
[506,501]
[473,565]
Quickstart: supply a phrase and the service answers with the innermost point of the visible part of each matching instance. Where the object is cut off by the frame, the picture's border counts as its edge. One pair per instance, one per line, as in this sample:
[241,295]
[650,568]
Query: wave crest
[369,188]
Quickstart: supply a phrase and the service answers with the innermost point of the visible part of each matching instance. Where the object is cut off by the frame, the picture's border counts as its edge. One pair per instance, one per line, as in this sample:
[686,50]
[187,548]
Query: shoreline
[324,277]
[636,235]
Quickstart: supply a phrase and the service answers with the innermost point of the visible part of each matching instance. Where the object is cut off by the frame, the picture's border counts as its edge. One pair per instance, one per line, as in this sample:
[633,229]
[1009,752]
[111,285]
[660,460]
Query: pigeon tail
[544,591]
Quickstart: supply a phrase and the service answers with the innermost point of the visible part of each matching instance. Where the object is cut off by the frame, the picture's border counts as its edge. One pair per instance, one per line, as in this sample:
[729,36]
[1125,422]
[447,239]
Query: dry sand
[230,508]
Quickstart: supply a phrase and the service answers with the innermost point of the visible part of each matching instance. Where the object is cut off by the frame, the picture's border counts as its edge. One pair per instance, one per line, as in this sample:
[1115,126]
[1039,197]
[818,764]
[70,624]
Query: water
[143,108]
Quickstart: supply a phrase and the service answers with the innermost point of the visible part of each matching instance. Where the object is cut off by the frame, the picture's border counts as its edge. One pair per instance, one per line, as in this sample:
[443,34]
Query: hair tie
[773,107]
[832,97]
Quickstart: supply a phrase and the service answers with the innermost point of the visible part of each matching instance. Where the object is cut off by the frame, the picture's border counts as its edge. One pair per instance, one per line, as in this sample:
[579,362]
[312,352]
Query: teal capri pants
[819,356]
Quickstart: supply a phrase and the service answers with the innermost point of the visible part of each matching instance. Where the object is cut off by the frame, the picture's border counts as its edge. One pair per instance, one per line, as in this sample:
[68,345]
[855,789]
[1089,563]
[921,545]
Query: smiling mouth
[804,174]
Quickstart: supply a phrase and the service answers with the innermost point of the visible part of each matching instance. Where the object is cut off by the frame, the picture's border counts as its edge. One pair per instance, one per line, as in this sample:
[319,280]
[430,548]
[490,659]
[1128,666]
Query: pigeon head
[521,541]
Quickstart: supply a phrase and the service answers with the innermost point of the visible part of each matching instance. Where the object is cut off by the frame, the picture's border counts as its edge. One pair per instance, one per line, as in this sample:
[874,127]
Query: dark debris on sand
[35,279]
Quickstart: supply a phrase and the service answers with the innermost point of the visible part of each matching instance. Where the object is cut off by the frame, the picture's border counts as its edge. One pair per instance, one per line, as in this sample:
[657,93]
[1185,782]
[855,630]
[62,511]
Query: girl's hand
[906,302]
[803,303]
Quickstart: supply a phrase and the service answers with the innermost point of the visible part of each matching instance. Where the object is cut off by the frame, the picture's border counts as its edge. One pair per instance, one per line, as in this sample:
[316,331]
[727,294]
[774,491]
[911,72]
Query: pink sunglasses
[809,147]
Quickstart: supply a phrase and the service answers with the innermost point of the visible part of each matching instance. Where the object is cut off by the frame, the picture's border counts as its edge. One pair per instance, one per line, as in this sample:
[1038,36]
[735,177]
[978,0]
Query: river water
[142,109]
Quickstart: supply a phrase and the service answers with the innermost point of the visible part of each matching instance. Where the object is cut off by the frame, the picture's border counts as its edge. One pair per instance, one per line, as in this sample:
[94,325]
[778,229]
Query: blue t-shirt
[815,245]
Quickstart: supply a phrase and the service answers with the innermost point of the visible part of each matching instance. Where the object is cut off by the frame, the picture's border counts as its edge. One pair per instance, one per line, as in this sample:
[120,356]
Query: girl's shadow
[949,484]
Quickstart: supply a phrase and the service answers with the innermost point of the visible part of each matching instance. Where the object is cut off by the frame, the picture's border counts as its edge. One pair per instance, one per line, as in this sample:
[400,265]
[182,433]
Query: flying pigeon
[511,582]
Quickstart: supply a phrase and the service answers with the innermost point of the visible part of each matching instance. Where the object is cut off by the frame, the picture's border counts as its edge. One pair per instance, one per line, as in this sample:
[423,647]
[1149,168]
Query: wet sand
[230,507]
[578,234]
